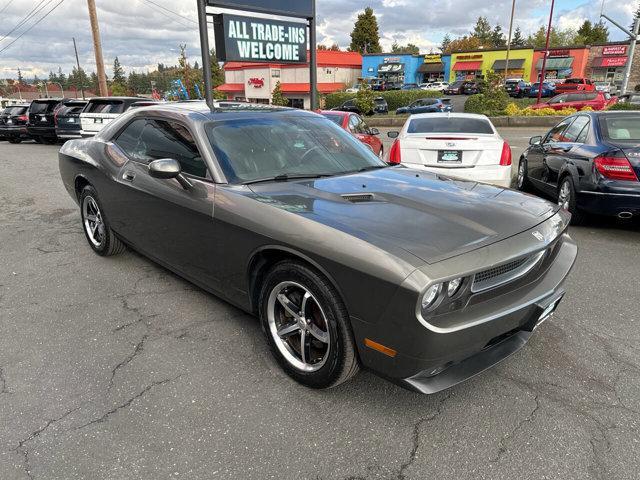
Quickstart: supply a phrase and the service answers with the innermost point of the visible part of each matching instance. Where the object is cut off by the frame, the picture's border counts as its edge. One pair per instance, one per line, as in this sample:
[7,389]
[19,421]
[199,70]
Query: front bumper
[492,174]
[440,352]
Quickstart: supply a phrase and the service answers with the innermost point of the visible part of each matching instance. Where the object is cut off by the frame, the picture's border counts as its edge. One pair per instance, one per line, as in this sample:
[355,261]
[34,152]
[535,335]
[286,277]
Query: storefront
[395,69]
[561,63]
[477,64]
[432,70]
[608,63]
[255,82]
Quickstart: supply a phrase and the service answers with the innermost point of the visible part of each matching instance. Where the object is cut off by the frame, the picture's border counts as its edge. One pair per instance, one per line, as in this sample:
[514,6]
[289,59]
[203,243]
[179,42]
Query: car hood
[427,215]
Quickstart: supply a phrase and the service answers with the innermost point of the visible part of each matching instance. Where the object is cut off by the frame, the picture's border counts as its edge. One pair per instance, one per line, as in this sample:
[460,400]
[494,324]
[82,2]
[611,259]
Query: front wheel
[522,180]
[15,140]
[307,326]
[567,201]
[101,238]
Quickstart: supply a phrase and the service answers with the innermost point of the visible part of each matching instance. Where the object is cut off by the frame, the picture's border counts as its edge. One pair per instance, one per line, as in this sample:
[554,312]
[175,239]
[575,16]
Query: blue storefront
[392,68]
[402,69]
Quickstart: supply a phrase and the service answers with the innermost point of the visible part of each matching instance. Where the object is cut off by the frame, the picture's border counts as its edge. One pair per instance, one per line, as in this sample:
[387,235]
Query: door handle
[128,176]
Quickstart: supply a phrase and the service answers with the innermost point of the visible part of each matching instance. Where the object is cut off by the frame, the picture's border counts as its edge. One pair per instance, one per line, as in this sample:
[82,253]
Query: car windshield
[337,119]
[450,125]
[573,80]
[621,128]
[267,146]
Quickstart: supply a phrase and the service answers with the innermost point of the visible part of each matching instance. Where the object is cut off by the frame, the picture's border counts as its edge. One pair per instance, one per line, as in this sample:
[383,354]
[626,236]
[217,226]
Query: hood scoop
[358,197]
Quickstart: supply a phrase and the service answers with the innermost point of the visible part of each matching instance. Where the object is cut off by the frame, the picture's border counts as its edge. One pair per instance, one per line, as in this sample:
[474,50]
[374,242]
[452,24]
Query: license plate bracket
[449,156]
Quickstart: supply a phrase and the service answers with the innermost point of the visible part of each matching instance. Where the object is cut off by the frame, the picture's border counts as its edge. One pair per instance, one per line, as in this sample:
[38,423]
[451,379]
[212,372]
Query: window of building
[275,73]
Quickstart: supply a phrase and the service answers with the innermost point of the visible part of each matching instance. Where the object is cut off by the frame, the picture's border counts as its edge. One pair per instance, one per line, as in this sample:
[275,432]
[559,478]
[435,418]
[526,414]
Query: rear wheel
[38,139]
[15,140]
[101,238]
[307,326]
[567,200]
[381,153]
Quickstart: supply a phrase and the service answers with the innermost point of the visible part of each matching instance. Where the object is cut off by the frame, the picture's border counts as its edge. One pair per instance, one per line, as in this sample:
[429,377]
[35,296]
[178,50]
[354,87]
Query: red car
[595,100]
[574,85]
[354,124]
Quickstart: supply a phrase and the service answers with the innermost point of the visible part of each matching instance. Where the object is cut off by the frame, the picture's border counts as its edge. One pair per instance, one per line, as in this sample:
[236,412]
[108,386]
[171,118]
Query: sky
[142,34]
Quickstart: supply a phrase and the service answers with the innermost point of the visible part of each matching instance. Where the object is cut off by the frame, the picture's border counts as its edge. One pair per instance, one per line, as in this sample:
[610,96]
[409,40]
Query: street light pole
[546,53]
[75,48]
[506,64]
[633,37]
[97,47]
[61,89]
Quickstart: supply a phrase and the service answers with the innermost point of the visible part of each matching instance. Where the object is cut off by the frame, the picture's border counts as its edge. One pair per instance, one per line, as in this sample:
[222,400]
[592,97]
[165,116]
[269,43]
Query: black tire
[566,187]
[107,244]
[15,140]
[522,179]
[38,139]
[341,361]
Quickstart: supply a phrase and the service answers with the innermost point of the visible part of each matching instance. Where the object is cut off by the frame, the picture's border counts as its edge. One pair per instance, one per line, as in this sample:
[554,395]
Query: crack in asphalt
[21,448]
[127,403]
[139,348]
[502,448]
[3,383]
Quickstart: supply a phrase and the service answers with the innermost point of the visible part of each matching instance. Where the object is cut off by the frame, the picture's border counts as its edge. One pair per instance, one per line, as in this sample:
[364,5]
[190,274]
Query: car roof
[101,99]
[334,112]
[230,109]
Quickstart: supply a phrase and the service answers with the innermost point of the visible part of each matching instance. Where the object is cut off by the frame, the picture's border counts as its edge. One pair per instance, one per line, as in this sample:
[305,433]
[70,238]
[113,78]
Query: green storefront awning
[555,63]
[514,64]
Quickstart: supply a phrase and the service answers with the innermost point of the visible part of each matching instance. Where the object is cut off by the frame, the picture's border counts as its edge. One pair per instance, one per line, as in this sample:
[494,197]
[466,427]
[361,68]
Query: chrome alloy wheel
[564,195]
[93,224]
[298,326]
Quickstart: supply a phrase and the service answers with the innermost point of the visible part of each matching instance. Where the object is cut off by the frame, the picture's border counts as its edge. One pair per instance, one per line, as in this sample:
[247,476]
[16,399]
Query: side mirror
[374,131]
[393,134]
[535,140]
[164,168]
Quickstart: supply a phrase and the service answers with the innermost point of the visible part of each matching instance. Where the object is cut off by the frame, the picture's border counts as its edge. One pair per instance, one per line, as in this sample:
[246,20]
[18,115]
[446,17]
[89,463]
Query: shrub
[277,98]
[487,104]
[364,98]
[395,98]
[624,106]
[512,110]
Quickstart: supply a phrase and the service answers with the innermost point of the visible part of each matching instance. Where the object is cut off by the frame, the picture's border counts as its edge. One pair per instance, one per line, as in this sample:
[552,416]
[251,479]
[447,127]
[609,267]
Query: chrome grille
[507,272]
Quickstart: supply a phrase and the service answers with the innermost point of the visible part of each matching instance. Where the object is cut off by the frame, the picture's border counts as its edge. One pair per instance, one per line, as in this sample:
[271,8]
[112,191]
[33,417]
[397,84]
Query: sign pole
[313,62]
[546,54]
[206,52]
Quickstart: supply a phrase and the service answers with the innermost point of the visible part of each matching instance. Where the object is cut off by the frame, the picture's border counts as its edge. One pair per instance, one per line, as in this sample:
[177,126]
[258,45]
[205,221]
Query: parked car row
[463,87]
[380,107]
[47,120]
[594,100]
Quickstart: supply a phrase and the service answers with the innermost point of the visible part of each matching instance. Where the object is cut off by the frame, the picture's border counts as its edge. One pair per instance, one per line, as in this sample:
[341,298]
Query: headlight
[430,296]
[454,286]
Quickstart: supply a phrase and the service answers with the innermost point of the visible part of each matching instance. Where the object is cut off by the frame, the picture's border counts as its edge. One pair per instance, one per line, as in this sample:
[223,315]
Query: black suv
[380,106]
[13,123]
[67,119]
[41,124]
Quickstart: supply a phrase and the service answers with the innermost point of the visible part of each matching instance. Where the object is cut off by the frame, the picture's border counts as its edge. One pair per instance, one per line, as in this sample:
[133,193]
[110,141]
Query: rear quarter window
[41,107]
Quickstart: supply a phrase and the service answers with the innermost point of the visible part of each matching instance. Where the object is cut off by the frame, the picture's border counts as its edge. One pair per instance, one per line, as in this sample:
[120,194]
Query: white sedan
[459,145]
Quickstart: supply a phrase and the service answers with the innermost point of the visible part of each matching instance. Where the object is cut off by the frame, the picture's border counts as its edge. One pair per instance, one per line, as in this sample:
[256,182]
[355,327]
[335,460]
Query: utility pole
[546,53]
[633,37]
[78,64]
[506,63]
[97,47]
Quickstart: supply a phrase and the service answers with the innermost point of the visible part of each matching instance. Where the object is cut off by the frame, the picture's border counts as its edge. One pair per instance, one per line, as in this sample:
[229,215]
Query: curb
[549,121]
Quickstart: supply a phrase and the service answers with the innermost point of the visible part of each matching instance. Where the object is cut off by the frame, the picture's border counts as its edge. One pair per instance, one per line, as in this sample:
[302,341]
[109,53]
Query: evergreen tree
[599,34]
[20,77]
[277,98]
[217,74]
[635,17]
[482,31]
[365,37]
[118,72]
[497,37]
[518,40]
[93,82]
[446,41]
[62,78]
[408,48]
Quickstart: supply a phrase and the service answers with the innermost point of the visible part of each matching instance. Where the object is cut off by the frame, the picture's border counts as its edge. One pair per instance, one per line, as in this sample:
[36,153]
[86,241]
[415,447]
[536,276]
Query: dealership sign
[432,59]
[615,50]
[256,82]
[251,39]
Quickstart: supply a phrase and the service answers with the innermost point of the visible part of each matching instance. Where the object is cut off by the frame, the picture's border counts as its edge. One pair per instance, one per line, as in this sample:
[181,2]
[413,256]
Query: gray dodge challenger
[348,262]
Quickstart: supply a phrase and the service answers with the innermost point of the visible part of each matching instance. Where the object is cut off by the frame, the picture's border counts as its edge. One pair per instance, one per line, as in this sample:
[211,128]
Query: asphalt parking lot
[114,368]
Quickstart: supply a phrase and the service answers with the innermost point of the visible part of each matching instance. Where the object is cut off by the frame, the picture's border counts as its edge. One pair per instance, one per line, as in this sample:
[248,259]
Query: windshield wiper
[286,177]
[371,167]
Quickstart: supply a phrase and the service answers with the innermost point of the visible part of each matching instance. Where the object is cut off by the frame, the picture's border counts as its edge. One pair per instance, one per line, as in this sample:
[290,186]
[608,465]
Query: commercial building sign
[559,53]
[391,60]
[256,82]
[251,39]
[613,61]
[432,59]
[615,50]
[288,8]
[477,56]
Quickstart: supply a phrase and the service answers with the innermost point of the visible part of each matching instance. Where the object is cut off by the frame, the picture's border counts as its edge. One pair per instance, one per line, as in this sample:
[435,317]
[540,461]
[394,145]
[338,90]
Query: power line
[26,18]
[6,6]
[170,11]
[31,27]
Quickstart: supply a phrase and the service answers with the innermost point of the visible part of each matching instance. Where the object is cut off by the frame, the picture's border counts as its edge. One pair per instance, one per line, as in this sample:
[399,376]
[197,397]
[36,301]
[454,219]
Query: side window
[572,133]
[559,99]
[555,134]
[584,134]
[145,140]
[353,123]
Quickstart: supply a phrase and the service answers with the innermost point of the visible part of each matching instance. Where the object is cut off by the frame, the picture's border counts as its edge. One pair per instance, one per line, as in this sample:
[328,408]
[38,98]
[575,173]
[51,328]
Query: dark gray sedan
[347,261]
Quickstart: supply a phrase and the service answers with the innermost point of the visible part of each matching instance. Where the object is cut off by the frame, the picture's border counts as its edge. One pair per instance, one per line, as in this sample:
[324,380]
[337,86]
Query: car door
[559,101]
[537,169]
[564,153]
[160,217]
